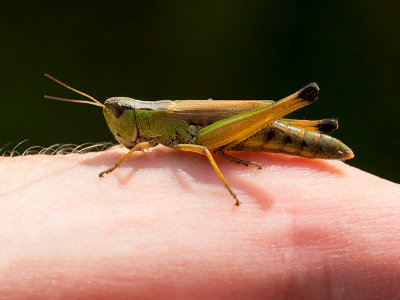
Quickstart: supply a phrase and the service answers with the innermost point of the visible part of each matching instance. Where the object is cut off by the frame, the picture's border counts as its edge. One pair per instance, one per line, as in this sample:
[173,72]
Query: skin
[162,226]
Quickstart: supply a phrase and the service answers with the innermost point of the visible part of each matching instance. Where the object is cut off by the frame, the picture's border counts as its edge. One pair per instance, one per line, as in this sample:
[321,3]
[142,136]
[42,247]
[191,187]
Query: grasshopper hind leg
[204,151]
[246,163]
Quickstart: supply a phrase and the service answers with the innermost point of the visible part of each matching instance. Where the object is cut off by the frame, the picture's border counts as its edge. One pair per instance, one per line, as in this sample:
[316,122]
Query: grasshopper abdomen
[282,137]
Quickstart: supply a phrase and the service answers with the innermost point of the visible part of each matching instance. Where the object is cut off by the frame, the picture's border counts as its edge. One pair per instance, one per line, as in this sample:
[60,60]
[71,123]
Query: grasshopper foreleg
[246,163]
[138,147]
[204,151]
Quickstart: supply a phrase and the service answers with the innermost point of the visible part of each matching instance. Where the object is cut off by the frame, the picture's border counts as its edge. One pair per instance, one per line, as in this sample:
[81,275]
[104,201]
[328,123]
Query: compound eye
[116,108]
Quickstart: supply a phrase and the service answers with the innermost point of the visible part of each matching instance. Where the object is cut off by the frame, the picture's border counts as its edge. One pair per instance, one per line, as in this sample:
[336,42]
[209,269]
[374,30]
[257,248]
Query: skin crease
[163,226]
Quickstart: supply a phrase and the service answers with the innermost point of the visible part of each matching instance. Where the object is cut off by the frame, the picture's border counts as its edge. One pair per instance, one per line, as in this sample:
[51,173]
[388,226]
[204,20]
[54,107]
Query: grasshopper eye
[116,108]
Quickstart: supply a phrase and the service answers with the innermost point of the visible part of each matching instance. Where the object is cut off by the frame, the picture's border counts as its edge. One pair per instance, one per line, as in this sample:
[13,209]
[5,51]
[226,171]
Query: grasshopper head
[121,119]
[118,111]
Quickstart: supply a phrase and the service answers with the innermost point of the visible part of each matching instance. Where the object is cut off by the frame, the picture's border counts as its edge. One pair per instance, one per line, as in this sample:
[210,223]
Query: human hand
[163,226]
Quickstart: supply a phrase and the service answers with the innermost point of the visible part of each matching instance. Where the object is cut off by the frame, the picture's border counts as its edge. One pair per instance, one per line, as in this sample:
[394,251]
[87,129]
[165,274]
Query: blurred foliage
[202,49]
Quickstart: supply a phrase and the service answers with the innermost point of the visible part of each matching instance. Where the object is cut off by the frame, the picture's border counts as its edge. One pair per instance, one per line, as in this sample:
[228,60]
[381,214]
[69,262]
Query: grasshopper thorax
[119,113]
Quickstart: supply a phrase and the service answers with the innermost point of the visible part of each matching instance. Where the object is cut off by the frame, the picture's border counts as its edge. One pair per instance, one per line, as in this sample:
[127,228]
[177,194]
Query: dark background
[202,49]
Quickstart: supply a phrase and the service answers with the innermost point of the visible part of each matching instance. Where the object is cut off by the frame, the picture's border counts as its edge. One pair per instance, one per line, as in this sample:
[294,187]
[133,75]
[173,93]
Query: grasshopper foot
[101,174]
[237,203]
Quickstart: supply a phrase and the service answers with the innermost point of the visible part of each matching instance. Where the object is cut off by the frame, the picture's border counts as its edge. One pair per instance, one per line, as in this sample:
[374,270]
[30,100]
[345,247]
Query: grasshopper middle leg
[246,163]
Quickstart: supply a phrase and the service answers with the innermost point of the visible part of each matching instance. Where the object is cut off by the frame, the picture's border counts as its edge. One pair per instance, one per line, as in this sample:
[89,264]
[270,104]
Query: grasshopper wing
[205,112]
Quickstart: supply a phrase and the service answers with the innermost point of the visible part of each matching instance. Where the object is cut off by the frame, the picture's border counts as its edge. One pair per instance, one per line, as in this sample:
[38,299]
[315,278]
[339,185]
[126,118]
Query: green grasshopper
[220,125]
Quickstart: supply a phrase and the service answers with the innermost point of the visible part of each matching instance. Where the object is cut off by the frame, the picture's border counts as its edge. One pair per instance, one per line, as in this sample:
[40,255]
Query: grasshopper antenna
[70,100]
[95,102]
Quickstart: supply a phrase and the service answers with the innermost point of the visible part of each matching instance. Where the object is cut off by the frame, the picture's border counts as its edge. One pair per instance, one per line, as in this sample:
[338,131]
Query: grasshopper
[219,125]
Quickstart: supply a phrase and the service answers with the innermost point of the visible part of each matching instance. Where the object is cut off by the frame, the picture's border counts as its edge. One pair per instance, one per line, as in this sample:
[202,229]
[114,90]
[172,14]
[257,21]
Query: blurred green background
[202,49]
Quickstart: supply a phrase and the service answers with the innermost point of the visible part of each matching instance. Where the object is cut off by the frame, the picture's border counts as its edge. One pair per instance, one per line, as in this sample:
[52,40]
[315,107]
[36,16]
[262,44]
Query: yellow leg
[239,161]
[138,147]
[233,130]
[203,150]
